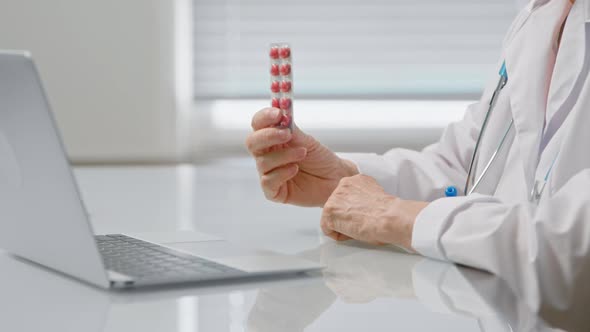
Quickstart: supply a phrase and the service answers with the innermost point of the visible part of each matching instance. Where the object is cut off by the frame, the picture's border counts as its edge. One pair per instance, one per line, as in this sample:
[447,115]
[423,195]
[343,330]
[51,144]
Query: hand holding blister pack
[294,168]
[281,82]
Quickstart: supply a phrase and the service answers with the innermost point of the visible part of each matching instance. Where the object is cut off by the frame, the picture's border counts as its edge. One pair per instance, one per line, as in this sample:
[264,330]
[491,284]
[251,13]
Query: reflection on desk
[35,299]
[365,275]
[363,287]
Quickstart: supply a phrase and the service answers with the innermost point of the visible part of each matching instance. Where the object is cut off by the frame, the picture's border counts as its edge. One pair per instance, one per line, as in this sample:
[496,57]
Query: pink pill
[285,69]
[274,52]
[285,103]
[274,86]
[274,70]
[275,103]
[285,86]
[285,121]
[285,52]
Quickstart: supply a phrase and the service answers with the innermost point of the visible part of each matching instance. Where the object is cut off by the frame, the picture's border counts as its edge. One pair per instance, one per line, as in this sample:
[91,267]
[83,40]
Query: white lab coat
[538,247]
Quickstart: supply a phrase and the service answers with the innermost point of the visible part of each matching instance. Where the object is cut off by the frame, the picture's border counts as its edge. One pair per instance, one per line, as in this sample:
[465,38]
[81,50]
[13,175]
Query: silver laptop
[43,219]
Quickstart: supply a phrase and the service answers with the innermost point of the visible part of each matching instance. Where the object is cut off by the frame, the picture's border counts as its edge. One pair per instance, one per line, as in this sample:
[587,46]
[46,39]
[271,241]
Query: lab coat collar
[533,5]
[568,68]
[526,88]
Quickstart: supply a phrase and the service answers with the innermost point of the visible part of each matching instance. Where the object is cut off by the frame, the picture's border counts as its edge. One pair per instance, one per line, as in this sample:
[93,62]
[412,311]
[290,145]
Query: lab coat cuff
[375,166]
[432,222]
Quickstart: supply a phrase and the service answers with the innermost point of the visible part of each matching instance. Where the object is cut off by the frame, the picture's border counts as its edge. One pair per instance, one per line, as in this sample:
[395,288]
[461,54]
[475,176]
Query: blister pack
[281,82]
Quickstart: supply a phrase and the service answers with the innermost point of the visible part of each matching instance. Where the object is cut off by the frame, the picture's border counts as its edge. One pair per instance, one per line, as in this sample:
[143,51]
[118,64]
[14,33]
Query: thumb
[300,138]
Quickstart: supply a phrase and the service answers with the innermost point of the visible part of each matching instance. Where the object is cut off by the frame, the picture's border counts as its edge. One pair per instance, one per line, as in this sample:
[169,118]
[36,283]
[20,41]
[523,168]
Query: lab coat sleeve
[425,175]
[540,251]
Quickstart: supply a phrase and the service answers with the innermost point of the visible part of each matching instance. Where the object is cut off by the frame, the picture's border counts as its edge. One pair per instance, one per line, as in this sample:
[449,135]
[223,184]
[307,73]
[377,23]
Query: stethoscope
[471,183]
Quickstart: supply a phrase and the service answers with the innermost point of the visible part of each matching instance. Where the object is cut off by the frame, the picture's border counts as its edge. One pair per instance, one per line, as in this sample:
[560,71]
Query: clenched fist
[359,208]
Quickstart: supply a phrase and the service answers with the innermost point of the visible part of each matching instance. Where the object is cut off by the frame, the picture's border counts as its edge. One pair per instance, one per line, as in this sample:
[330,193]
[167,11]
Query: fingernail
[275,112]
[283,133]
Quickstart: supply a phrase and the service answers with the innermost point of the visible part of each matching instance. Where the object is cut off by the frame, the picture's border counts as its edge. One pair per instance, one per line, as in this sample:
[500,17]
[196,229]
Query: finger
[271,183]
[259,141]
[340,229]
[327,225]
[342,237]
[266,117]
[331,234]
[269,161]
[334,235]
[349,230]
[345,228]
[299,137]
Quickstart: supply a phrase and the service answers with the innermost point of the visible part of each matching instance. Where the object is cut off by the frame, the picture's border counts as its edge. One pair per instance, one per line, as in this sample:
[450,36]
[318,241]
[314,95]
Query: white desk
[362,289]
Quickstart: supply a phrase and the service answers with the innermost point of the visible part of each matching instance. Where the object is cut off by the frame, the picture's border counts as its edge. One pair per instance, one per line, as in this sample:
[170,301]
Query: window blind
[349,48]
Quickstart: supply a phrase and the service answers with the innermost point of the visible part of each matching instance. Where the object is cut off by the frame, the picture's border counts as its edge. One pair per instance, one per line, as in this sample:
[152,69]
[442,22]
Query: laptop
[43,218]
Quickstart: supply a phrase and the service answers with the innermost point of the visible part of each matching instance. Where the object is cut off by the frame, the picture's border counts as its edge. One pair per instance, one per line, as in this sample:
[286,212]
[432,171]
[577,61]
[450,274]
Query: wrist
[399,222]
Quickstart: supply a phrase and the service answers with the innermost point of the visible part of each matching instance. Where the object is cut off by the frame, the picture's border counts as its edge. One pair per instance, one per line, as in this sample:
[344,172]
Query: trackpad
[246,259]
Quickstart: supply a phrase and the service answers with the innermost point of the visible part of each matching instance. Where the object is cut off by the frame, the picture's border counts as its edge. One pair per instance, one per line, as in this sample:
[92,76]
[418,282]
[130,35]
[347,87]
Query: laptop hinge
[119,280]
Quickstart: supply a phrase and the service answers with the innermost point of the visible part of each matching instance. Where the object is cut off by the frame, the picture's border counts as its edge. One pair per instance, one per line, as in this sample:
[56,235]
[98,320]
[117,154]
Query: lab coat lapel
[570,61]
[527,59]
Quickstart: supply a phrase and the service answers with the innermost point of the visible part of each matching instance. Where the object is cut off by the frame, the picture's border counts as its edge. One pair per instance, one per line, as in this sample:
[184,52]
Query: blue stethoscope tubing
[536,192]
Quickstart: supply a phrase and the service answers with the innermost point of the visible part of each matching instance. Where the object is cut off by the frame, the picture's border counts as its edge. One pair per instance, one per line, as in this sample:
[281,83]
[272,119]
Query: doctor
[525,211]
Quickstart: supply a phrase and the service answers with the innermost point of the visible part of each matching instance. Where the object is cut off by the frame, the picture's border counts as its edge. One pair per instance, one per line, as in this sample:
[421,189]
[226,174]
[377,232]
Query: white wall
[108,68]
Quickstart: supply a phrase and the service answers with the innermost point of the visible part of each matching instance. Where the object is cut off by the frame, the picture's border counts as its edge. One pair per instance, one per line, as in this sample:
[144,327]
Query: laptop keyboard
[144,260]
